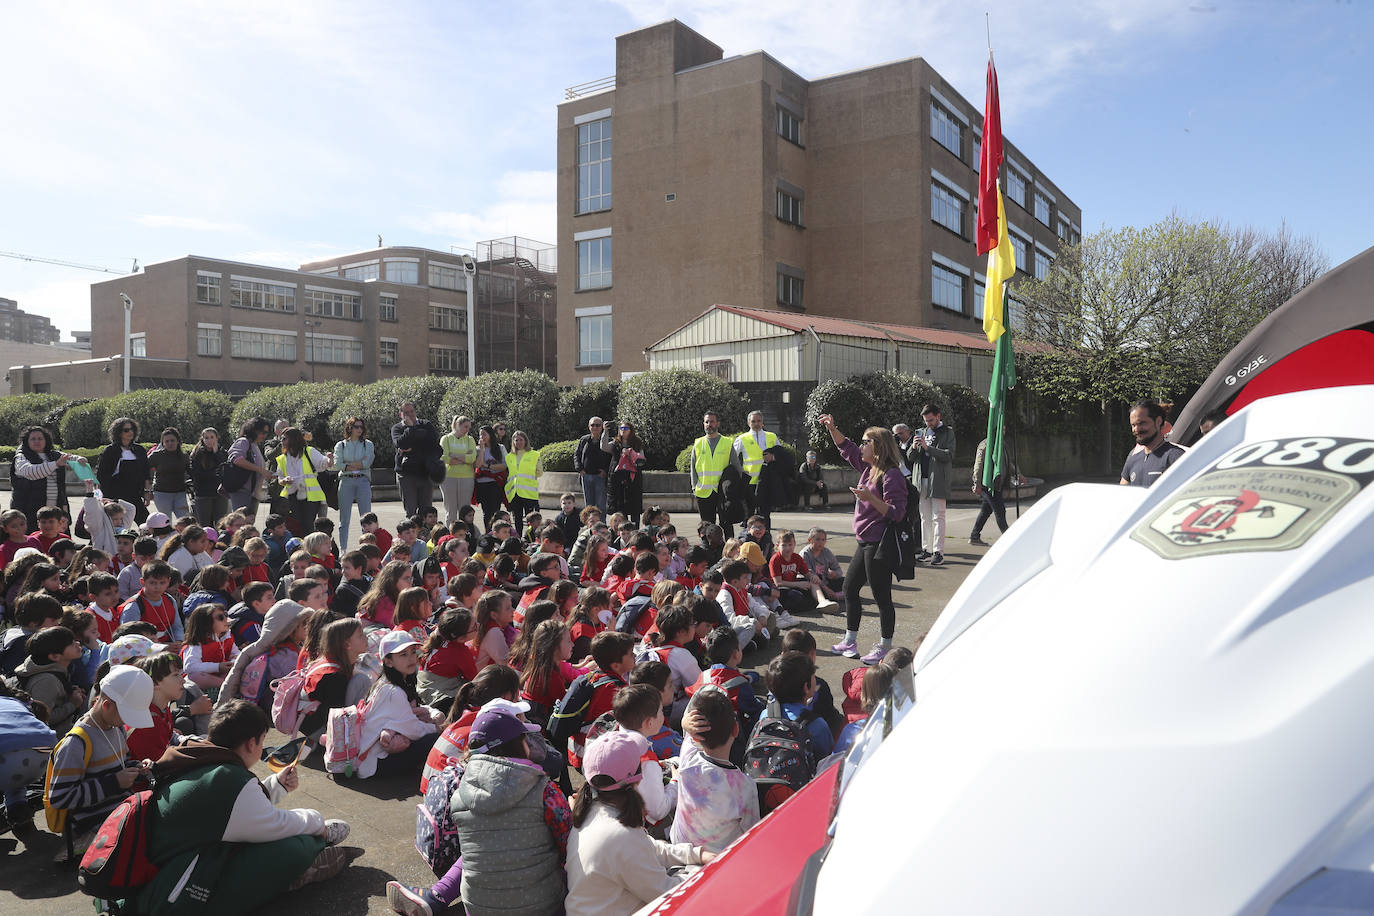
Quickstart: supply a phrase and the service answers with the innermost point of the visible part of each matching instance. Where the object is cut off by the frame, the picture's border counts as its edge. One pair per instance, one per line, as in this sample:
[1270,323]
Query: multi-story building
[691,179]
[19,326]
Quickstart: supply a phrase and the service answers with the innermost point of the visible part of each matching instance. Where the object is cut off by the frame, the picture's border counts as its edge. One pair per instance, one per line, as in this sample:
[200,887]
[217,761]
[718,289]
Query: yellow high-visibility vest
[753,455]
[523,476]
[313,493]
[710,465]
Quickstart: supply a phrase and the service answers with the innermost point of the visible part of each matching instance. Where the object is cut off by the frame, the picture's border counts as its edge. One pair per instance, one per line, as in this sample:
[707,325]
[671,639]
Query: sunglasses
[867,441]
[625,427]
[221,616]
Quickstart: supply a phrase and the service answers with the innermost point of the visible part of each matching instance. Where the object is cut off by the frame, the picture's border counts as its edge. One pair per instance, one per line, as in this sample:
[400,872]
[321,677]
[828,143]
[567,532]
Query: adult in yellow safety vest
[711,455]
[522,479]
[298,468]
[753,449]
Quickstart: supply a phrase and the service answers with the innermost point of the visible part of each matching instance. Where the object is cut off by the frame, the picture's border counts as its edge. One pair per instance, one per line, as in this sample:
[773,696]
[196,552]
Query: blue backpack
[436,834]
[630,612]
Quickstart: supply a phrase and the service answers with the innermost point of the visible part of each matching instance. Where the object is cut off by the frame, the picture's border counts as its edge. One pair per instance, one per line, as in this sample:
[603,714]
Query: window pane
[945,129]
[947,288]
[594,166]
[946,208]
[594,340]
[594,263]
[1016,186]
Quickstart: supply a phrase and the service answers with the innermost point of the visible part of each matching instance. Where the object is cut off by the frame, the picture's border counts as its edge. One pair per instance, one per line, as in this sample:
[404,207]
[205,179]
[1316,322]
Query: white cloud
[525,205]
[186,223]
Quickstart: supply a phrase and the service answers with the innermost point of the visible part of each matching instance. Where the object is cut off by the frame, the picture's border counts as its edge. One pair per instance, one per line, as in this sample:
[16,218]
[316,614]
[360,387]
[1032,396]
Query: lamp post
[128,344]
[469,273]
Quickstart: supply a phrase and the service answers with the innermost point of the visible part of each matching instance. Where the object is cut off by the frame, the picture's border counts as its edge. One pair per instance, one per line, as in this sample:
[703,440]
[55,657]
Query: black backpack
[780,750]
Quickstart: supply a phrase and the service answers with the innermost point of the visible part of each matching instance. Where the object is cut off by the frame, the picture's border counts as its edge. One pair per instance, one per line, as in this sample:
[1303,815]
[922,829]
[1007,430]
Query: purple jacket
[869,523]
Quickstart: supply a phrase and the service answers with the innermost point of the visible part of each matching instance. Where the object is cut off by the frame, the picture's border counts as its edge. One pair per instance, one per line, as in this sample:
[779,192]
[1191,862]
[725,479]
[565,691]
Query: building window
[1063,229]
[207,290]
[947,288]
[447,318]
[1014,313]
[403,272]
[1042,208]
[977,152]
[594,263]
[443,276]
[1016,186]
[789,126]
[368,271]
[789,208]
[138,345]
[330,304]
[251,344]
[946,208]
[208,340]
[1021,248]
[255,294]
[342,351]
[386,308]
[594,340]
[945,129]
[387,354]
[723,369]
[594,166]
[790,290]
[448,359]
[1043,262]
[980,292]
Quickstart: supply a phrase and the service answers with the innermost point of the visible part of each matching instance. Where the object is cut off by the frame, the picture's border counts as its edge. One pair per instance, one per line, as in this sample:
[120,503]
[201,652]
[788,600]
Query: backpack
[343,736]
[116,862]
[566,721]
[57,817]
[232,478]
[780,751]
[264,671]
[289,705]
[899,543]
[436,833]
[630,612]
[601,725]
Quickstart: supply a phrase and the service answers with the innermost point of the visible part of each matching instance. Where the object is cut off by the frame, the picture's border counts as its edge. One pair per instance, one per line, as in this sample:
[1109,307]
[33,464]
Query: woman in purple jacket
[879,499]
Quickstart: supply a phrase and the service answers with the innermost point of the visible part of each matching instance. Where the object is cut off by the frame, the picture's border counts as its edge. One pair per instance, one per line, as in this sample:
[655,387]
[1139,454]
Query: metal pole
[128,337]
[470,274]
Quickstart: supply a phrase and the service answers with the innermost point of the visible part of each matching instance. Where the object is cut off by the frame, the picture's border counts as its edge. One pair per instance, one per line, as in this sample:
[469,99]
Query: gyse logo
[1247,369]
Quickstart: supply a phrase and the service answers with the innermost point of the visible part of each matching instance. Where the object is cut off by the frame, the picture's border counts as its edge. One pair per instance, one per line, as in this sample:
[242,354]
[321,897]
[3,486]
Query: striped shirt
[89,790]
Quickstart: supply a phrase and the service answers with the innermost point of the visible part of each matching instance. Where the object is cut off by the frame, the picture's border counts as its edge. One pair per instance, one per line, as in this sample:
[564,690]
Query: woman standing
[353,456]
[626,491]
[38,475]
[207,504]
[246,455]
[879,500]
[490,476]
[123,469]
[522,482]
[169,465]
[460,463]
[298,470]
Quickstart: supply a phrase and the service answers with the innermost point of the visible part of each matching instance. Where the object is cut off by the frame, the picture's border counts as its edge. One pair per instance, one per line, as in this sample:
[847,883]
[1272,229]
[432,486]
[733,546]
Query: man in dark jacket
[591,464]
[416,443]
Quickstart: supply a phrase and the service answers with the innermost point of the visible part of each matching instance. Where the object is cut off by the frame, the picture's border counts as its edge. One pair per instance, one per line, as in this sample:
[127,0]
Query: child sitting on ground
[823,703]
[44,676]
[716,800]
[152,604]
[545,678]
[593,693]
[639,709]
[398,731]
[491,683]
[823,563]
[792,682]
[449,661]
[676,626]
[495,628]
[665,742]
[723,653]
[152,742]
[756,532]
[801,587]
[209,653]
[413,609]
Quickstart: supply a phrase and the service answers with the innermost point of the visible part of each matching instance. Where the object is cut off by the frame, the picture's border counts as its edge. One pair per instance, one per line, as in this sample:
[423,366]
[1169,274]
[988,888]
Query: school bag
[289,704]
[265,670]
[57,817]
[780,750]
[566,727]
[342,738]
[630,612]
[900,542]
[436,833]
[116,863]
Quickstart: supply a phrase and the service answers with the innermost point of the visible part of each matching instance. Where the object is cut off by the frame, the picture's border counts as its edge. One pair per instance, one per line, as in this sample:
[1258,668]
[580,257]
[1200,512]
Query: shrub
[897,398]
[155,409]
[851,407]
[557,456]
[526,400]
[377,405]
[207,409]
[578,405]
[308,405]
[666,405]
[83,426]
[20,410]
[53,420]
[683,462]
[967,411]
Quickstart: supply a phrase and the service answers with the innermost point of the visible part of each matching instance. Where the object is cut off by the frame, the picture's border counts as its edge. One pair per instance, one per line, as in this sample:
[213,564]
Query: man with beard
[1156,453]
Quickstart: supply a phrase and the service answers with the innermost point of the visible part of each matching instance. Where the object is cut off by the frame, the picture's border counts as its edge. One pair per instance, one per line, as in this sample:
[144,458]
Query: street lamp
[470,272]
[128,340]
[308,348]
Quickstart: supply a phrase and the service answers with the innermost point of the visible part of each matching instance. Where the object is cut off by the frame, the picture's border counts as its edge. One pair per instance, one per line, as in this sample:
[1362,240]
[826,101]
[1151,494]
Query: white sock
[851,636]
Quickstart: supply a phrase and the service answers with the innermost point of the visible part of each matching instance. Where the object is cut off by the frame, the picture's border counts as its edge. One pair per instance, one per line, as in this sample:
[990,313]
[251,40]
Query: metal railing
[591,88]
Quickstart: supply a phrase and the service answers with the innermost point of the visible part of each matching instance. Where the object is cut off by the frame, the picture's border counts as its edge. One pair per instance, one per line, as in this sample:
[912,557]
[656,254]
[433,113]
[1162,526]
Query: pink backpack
[263,671]
[289,703]
[342,738]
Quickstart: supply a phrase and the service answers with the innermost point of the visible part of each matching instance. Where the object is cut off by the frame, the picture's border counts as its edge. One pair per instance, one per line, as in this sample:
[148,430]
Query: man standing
[590,463]
[911,459]
[755,450]
[416,443]
[711,455]
[1155,454]
[935,447]
[994,505]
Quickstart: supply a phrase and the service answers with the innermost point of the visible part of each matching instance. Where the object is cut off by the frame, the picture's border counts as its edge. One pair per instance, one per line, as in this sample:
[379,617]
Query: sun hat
[131,690]
[129,647]
[494,726]
[751,553]
[395,641]
[617,756]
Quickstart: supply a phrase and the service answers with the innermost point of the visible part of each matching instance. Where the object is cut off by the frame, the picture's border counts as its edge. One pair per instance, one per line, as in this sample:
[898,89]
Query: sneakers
[937,560]
[829,604]
[976,541]
[330,861]
[786,621]
[923,556]
[335,832]
[846,648]
[878,653]
[770,623]
[413,901]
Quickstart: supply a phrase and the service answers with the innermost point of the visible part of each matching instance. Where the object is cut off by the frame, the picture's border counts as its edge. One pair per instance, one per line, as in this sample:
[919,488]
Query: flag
[990,165]
[1003,379]
[1001,268]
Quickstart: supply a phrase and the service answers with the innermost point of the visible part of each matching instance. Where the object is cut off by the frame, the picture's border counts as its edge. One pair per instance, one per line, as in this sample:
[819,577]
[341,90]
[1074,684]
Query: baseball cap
[157,521]
[129,647]
[615,756]
[234,558]
[395,641]
[514,707]
[129,533]
[751,552]
[131,690]
[495,725]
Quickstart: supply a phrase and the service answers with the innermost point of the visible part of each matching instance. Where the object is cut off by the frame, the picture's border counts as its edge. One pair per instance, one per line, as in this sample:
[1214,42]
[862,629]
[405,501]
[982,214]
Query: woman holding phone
[879,500]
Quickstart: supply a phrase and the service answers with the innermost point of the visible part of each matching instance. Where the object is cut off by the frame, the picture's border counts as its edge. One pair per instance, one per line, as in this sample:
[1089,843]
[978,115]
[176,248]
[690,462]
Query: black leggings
[489,497]
[867,568]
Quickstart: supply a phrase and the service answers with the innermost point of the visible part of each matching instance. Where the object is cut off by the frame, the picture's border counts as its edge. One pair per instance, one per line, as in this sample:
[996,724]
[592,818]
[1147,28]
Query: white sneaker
[827,605]
[787,621]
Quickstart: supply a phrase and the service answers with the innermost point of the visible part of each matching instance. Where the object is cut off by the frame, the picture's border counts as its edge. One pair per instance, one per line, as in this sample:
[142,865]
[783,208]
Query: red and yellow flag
[992,238]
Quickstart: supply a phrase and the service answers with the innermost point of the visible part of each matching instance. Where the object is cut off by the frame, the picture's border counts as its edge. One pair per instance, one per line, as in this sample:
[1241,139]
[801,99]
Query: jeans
[417,492]
[209,509]
[594,491]
[173,504]
[489,495]
[244,501]
[933,524]
[352,490]
[993,505]
[457,492]
[867,568]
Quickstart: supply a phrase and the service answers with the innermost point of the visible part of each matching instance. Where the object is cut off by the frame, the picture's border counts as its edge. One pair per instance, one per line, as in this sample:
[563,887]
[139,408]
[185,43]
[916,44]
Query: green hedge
[378,405]
[967,411]
[309,406]
[21,410]
[579,404]
[684,457]
[53,420]
[557,456]
[7,454]
[665,407]
[878,399]
[525,400]
[84,425]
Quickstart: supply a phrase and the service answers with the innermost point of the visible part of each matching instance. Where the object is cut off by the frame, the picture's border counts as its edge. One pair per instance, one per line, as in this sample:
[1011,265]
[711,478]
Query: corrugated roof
[874,330]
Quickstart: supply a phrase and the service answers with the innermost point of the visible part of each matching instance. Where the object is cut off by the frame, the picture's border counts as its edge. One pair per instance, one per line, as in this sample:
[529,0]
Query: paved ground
[382,812]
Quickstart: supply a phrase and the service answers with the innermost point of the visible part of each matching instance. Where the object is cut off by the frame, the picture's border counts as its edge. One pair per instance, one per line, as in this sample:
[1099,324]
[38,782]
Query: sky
[279,133]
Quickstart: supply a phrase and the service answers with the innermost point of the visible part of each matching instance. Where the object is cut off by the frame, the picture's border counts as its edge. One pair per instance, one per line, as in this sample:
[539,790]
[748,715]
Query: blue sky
[284,132]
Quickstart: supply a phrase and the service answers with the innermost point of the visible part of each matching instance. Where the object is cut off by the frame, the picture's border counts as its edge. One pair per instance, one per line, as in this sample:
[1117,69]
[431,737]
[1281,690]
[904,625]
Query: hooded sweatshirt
[48,683]
[279,624]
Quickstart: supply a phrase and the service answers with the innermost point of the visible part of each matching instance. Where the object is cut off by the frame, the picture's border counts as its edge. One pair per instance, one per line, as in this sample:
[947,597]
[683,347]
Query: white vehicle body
[1146,701]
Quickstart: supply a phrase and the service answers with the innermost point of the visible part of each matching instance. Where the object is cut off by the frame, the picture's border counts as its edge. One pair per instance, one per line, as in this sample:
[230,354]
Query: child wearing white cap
[398,730]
